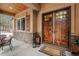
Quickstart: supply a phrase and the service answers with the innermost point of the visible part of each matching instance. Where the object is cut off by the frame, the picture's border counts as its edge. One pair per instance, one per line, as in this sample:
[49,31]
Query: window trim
[20,30]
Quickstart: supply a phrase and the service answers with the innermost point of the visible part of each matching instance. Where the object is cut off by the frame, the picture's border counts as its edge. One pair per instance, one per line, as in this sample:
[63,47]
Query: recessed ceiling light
[10,7]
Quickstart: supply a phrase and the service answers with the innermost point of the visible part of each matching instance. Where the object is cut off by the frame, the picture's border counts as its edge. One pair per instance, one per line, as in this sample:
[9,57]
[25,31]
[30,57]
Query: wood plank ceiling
[12,8]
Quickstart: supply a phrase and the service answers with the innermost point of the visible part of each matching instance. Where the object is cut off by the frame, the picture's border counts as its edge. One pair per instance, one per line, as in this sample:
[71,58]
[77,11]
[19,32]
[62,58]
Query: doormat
[52,51]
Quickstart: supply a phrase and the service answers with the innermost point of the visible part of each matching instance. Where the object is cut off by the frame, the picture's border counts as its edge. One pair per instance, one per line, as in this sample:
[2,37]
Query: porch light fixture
[11,8]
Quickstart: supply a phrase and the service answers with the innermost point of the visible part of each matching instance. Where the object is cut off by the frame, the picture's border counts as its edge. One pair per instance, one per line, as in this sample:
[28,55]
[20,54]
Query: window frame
[20,18]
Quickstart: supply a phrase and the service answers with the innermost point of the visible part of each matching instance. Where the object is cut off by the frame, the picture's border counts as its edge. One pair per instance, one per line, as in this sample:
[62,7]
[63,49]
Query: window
[21,24]
[6,23]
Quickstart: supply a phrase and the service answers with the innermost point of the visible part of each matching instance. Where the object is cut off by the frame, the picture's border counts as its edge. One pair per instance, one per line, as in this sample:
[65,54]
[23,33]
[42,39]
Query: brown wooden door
[62,28]
[56,27]
[47,28]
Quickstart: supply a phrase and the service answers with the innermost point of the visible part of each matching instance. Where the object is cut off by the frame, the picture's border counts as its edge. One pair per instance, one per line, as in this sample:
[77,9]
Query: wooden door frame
[69,7]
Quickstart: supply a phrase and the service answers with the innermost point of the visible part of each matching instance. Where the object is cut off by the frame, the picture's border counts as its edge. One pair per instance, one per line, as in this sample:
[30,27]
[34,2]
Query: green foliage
[5,20]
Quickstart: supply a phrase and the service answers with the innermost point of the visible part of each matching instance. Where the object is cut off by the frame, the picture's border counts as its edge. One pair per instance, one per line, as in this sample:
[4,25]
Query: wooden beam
[6,12]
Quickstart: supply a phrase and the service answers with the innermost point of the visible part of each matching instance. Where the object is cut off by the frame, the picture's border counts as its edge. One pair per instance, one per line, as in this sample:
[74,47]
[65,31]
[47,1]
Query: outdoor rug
[52,51]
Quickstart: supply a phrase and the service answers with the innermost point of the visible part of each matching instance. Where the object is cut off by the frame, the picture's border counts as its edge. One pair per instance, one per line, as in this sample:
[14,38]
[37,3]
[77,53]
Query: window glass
[65,12]
[23,24]
[61,13]
[18,24]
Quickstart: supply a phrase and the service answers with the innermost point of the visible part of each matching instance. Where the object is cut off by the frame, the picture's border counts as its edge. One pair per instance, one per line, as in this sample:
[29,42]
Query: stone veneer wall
[26,37]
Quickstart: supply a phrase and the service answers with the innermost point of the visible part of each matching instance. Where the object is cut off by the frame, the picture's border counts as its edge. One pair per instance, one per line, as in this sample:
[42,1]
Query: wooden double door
[56,27]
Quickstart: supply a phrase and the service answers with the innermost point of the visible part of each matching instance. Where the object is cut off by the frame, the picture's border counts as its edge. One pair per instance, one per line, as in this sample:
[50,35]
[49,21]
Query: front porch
[57,27]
